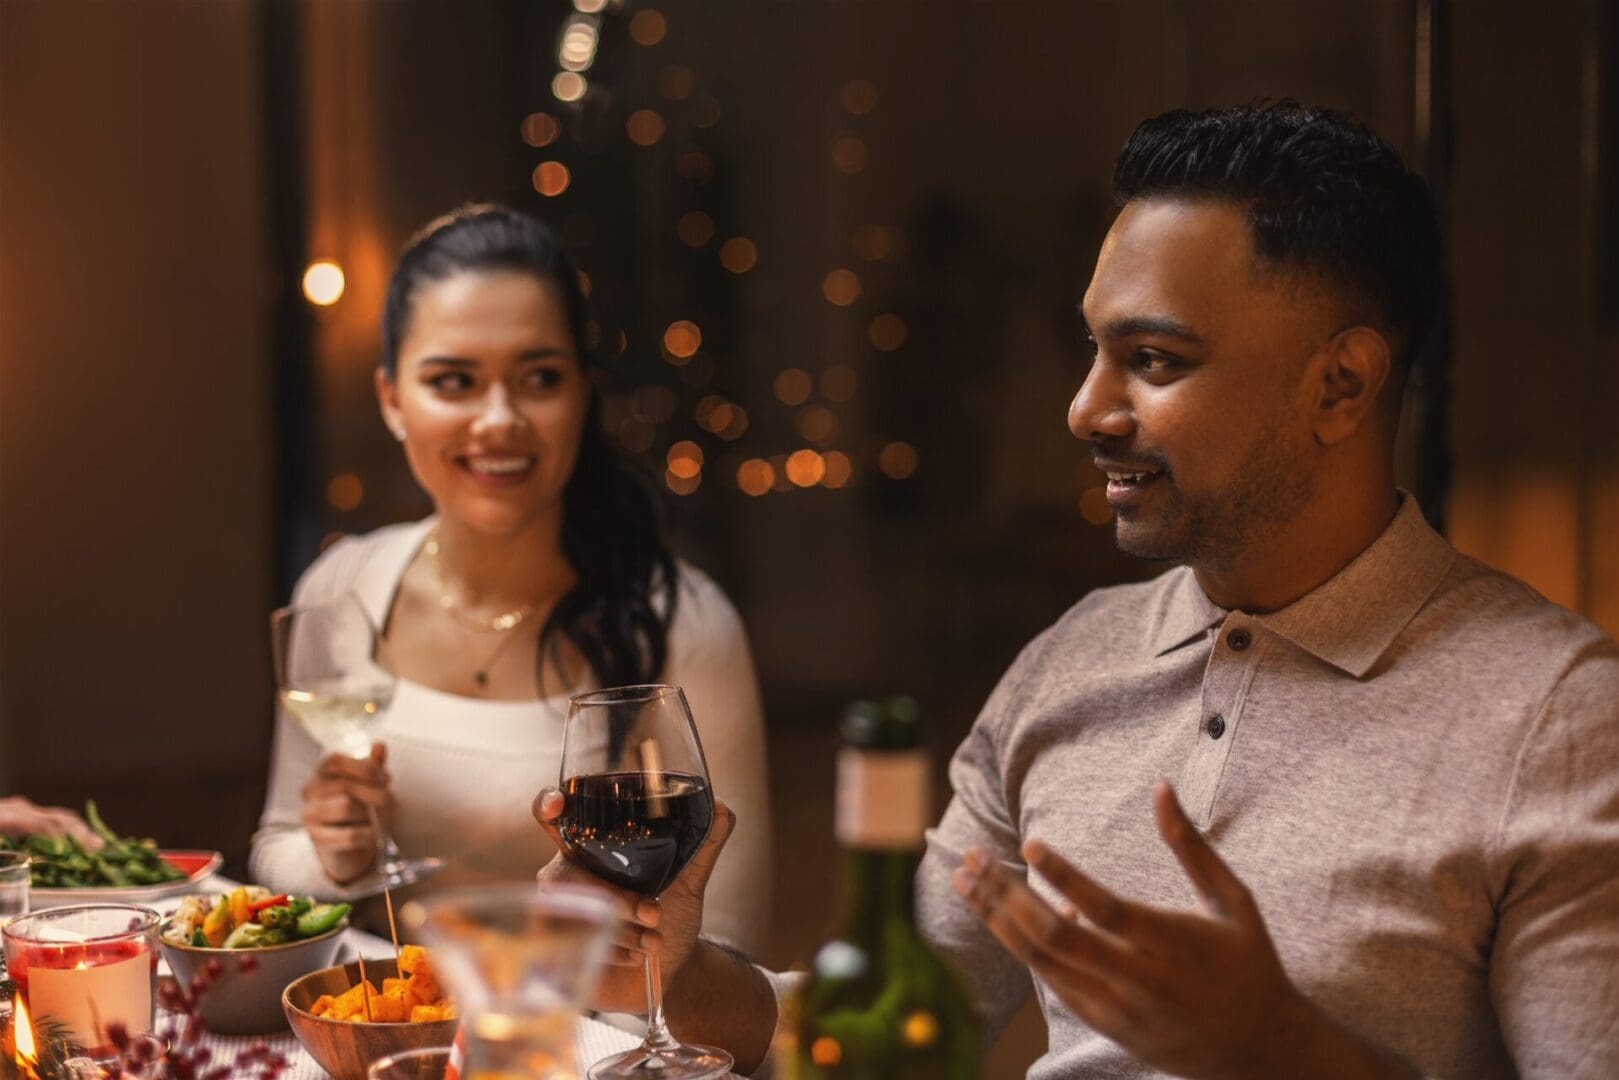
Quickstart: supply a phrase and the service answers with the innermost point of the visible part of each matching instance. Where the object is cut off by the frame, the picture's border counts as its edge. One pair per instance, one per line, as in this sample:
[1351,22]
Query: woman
[540,573]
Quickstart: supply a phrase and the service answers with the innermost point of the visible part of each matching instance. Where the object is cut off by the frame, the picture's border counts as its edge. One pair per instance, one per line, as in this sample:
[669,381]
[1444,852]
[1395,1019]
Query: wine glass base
[394,875]
[679,1063]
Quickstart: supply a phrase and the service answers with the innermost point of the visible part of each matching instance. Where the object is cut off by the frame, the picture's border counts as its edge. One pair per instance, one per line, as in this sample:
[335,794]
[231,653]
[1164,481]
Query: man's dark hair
[1324,196]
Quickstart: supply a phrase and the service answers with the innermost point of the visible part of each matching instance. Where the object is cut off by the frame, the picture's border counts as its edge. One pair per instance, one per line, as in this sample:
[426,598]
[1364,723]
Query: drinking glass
[330,681]
[636,807]
[14,877]
[85,968]
[426,1064]
[520,962]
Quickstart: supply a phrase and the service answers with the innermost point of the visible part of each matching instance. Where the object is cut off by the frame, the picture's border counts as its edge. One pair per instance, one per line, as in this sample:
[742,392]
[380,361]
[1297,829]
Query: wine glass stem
[657,1029]
[387,850]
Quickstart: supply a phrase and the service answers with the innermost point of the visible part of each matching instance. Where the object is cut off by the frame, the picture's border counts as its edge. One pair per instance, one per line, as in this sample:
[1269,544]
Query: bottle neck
[879,889]
[884,806]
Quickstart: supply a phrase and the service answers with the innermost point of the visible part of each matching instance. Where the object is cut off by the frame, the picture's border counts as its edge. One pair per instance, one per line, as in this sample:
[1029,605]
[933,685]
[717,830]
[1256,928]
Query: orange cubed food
[426,1014]
[392,1007]
[424,989]
[322,1005]
[412,958]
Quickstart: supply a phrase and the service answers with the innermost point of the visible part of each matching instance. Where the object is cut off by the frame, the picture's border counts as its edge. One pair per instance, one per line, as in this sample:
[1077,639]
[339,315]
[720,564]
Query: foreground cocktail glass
[520,962]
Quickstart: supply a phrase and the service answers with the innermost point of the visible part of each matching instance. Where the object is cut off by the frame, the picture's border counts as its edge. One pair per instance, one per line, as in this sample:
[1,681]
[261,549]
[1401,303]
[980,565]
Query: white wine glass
[328,678]
[637,806]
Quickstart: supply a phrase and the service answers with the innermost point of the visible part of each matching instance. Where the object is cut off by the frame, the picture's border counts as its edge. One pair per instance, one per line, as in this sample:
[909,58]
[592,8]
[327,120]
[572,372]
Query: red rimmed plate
[198,866]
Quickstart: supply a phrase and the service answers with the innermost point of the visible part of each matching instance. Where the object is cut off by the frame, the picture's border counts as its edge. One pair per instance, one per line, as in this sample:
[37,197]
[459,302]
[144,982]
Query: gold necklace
[506,620]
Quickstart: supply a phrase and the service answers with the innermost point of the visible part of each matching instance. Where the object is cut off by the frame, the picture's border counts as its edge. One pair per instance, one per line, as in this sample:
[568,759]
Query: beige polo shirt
[1415,768]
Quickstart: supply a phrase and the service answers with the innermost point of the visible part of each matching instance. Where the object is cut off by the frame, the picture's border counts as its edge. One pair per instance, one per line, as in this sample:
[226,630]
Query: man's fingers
[702,864]
[1103,908]
[1026,925]
[1222,892]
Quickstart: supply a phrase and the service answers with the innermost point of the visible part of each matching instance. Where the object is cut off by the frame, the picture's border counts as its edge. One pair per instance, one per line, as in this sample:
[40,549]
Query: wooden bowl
[346,1050]
[246,999]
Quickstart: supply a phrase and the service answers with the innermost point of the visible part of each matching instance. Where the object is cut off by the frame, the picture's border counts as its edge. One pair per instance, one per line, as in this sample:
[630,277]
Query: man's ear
[1351,373]
[388,402]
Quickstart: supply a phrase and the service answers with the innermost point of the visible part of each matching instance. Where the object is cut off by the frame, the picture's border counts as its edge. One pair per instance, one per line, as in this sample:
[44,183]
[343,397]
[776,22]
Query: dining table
[594,1039]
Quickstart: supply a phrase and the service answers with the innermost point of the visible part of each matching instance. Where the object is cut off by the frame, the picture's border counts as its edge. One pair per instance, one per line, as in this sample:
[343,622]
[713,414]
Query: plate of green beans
[124,868]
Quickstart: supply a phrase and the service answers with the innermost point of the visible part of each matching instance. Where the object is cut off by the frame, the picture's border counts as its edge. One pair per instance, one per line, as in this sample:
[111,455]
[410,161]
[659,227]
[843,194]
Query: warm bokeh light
[682,485]
[551,178]
[878,242]
[590,7]
[695,228]
[858,96]
[921,1028]
[818,425]
[705,110]
[805,468]
[887,332]
[645,127]
[738,255]
[1094,506]
[849,154]
[841,287]
[694,165]
[792,386]
[839,382]
[755,476]
[736,424]
[676,82]
[540,129]
[705,410]
[648,27]
[826,1052]
[682,340]
[585,284]
[345,491]
[897,460]
[685,458]
[578,49]
[839,469]
[323,283]
[569,86]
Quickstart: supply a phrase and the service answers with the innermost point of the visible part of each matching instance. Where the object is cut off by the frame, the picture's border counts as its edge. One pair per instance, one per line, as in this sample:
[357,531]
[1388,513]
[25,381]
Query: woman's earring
[399,434]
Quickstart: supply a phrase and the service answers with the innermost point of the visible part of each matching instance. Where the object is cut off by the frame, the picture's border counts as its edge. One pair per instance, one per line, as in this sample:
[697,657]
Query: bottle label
[884,798]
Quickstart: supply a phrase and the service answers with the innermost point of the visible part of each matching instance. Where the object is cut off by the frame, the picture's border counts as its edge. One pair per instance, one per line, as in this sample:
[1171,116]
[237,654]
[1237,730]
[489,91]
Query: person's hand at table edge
[1194,993]
[20,816]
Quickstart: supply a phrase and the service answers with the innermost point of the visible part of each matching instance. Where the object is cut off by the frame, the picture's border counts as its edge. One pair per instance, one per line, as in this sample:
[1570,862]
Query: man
[1391,846]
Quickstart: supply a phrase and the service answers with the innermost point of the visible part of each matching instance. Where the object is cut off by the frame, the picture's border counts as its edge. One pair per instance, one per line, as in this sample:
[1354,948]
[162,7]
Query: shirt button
[1239,639]
[1216,726]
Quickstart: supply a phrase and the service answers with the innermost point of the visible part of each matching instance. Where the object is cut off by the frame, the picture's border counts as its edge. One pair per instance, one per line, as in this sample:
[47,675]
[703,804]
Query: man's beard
[1217,529]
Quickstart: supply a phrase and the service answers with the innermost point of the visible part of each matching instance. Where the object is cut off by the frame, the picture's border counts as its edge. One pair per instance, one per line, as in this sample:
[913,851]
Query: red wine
[635,830]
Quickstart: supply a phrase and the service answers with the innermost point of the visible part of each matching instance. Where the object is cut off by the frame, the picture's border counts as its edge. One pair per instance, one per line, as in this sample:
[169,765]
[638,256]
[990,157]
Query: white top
[465,771]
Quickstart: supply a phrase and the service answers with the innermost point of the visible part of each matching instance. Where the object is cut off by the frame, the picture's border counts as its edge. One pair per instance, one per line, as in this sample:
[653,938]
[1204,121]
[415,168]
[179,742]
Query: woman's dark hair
[610,530]
[1323,196]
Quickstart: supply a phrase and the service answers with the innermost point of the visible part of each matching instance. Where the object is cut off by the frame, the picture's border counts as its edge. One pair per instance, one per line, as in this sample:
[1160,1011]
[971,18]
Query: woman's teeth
[499,466]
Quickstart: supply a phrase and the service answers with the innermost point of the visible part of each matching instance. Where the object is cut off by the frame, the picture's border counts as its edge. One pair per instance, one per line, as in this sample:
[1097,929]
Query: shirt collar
[1350,620]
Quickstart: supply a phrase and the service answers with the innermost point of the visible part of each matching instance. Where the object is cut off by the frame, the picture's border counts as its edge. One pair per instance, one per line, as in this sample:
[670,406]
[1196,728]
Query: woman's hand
[667,925]
[336,802]
[22,817]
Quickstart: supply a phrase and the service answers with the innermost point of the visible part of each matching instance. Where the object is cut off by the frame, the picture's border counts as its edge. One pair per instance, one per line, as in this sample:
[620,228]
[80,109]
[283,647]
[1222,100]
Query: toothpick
[393,929]
[365,993]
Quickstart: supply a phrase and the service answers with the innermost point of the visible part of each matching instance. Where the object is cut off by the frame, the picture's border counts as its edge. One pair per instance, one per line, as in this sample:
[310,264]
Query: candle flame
[26,1052]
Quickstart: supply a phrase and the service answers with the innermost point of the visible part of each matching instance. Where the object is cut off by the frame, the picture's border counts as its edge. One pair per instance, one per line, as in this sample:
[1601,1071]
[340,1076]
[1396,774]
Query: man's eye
[1150,364]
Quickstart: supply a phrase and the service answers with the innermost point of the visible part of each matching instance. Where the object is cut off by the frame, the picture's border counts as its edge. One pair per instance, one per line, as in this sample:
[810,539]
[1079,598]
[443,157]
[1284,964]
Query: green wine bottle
[880,1004]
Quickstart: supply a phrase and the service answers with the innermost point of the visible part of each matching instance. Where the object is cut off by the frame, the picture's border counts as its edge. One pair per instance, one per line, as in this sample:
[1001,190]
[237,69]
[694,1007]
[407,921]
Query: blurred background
[834,250]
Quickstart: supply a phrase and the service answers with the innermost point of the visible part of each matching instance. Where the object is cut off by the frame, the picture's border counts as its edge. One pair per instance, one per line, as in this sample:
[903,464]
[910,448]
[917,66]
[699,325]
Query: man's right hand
[667,926]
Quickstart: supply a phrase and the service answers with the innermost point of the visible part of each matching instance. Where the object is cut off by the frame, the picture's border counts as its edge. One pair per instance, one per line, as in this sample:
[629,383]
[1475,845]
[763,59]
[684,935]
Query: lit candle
[86,969]
[23,1038]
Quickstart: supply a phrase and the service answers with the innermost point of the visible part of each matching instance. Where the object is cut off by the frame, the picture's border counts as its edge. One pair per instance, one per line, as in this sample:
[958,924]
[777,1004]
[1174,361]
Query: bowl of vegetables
[232,954]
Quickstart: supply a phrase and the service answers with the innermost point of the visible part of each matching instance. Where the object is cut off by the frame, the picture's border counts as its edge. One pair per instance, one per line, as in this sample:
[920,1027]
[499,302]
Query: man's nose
[1101,408]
